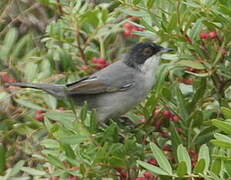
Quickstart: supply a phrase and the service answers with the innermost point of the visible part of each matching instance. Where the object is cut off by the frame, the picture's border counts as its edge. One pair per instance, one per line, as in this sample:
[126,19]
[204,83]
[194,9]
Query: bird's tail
[57,90]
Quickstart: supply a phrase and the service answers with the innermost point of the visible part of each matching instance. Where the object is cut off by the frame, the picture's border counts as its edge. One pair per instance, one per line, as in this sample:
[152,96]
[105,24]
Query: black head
[140,52]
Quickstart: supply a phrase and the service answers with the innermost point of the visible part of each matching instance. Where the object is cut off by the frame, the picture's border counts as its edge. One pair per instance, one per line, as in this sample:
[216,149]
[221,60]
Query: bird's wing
[110,79]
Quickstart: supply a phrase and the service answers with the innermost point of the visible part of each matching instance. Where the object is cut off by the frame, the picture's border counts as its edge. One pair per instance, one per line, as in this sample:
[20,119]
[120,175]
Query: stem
[102,49]
[60,9]
[81,50]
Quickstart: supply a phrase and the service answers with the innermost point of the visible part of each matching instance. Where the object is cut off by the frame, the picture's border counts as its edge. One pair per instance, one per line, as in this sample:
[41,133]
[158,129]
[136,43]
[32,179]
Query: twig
[18,17]
[81,50]
[59,5]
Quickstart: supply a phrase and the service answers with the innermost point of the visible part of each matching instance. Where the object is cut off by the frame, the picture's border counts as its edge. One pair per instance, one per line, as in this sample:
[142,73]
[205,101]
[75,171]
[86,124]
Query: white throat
[149,69]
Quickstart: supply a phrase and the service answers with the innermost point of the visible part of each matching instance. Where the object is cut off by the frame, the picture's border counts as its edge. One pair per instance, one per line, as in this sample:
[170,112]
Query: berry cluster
[39,115]
[208,35]
[169,115]
[194,156]
[6,78]
[129,28]
[100,63]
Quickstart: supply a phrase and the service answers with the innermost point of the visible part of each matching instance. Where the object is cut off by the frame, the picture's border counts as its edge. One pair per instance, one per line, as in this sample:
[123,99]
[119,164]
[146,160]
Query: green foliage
[190,102]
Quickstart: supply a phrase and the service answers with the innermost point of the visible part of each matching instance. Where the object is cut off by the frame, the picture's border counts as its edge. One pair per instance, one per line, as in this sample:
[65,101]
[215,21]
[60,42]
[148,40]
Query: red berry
[73,178]
[167,113]
[212,35]
[101,66]
[158,124]
[164,134]
[180,130]
[133,18]
[224,52]
[148,174]
[139,29]
[84,68]
[190,69]
[129,28]
[141,178]
[175,118]
[61,108]
[7,78]
[188,81]
[192,152]
[204,35]
[157,112]
[39,117]
[128,25]
[101,61]
[128,33]
[153,162]
[95,60]
[122,173]
[167,148]
[143,120]
[52,178]
[40,111]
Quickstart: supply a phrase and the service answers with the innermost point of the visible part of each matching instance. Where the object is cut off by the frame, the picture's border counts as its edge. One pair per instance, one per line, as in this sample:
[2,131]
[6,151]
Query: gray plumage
[116,89]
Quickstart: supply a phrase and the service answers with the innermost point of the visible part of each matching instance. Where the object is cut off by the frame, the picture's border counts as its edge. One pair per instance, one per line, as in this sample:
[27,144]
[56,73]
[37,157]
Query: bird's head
[141,52]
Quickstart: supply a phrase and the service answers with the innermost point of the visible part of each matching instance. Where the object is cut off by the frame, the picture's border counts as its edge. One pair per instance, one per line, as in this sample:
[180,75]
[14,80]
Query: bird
[115,89]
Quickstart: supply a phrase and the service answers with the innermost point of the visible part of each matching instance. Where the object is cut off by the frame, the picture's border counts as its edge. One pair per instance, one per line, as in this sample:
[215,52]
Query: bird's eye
[147,51]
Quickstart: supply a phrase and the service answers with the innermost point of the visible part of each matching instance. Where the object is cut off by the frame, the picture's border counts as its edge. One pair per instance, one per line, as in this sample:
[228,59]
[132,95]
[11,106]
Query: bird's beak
[165,50]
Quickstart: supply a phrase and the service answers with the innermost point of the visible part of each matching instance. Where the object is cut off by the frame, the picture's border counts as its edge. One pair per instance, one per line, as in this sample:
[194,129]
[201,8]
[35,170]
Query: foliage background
[181,131]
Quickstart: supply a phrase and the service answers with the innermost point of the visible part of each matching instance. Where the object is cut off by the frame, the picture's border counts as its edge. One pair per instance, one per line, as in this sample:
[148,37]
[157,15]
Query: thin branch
[18,17]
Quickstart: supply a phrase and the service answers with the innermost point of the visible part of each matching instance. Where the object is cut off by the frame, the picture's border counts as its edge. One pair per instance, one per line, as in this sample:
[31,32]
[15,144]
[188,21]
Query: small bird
[116,89]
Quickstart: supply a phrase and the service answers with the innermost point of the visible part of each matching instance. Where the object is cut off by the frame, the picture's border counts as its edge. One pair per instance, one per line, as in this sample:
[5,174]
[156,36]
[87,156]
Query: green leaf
[226,10]
[161,159]
[222,125]
[175,137]
[196,29]
[93,122]
[204,154]
[136,1]
[50,100]
[69,151]
[50,143]
[65,118]
[55,161]
[173,22]
[83,112]
[29,104]
[181,103]
[150,3]
[16,169]
[199,93]
[193,64]
[30,71]
[75,139]
[216,166]
[223,144]
[222,137]
[8,44]
[2,158]
[182,155]
[33,171]
[227,165]
[226,112]
[181,169]
[152,168]
[200,166]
